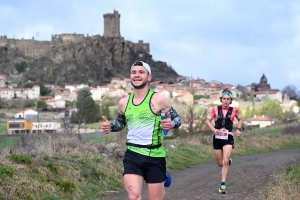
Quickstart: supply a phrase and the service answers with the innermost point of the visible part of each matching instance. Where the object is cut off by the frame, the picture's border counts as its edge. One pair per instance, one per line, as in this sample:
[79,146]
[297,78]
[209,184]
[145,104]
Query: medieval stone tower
[112,24]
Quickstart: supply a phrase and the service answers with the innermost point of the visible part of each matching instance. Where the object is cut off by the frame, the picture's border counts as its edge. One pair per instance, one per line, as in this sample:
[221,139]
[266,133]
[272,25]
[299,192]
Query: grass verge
[69,169]
[287,187]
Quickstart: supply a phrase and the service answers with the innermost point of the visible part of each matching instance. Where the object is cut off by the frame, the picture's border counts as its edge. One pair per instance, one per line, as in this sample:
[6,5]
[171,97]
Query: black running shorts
[153,169]
[219,143]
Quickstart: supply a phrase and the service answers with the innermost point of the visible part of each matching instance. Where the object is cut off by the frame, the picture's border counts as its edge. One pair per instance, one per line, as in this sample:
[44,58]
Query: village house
[197,83]
[96,94]
[56,103]
[185,97]
[164,93]
[73,87]
[289,105]
[200,91]
[273,94]
[25,93]
[157,85]
[27,114]
[7,93]
[216,83]
[116,93]
[60,90]
[44,98]
[103,88]
[67,96]
[261,121]
[183,79]
[2,81]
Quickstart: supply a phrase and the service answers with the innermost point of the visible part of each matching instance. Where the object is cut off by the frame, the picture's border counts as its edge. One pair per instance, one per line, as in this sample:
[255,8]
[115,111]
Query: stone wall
[67,38]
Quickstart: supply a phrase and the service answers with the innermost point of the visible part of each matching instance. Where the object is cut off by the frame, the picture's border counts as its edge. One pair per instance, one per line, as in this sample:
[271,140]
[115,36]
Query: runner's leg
[219,157]
[227,149]
[156,191]
[133,185]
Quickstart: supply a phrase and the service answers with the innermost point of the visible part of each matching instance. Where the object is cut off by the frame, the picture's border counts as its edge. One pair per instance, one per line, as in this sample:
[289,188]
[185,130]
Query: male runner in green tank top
[145,155]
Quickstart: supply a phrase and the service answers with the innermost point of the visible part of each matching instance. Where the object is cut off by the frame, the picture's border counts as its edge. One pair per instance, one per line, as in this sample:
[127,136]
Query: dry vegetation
[287,186]
[66,166]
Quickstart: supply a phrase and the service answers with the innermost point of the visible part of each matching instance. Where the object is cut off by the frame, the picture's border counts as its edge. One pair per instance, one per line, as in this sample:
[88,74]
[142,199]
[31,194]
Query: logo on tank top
[129,117]
[144,114]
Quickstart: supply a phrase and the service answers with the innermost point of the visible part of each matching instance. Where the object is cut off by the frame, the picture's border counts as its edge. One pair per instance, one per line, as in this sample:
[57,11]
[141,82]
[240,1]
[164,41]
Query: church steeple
[263,80]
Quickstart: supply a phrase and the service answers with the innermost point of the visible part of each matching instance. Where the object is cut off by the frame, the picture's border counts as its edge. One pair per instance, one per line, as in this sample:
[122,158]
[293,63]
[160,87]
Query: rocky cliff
[91,60]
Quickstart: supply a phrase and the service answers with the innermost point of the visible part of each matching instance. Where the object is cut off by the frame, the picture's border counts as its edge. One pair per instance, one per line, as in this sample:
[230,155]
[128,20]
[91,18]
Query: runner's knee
[226,162]
[134,195]
[220,163]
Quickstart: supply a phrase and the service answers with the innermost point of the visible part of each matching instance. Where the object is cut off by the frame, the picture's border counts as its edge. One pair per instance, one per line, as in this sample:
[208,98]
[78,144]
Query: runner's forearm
[118,124]
[176,119]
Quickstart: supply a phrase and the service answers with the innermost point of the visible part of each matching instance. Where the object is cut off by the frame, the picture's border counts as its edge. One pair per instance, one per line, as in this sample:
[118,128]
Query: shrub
[67,185]
[20,159]
[20,67]
[6,171]
[51,165]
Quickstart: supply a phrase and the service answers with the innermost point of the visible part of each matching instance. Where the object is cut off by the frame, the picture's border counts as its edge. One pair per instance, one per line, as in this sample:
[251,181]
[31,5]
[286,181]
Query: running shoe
[230,161]
[222,189]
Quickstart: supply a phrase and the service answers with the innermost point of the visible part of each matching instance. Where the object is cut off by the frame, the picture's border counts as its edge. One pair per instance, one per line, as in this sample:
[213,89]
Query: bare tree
[195,116]
[291,91]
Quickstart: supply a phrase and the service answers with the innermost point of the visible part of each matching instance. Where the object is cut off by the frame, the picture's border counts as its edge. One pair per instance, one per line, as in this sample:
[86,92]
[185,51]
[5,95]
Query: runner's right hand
[105,125]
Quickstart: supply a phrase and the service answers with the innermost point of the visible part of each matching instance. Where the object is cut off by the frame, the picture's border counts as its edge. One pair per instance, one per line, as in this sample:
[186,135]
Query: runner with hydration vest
[223,138]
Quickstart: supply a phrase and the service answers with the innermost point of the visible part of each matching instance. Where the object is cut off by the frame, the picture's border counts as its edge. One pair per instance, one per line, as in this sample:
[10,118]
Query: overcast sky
[232,41]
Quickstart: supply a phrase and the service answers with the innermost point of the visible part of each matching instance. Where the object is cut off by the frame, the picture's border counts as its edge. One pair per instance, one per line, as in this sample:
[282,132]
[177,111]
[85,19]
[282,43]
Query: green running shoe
[230,161]
[222,189]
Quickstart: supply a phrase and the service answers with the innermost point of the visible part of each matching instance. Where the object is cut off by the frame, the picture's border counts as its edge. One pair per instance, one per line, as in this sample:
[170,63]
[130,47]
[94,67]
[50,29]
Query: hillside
[91,60]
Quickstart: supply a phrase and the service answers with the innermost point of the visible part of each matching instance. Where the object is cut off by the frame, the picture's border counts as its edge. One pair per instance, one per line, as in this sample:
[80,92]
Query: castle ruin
[31,48]
[112,24]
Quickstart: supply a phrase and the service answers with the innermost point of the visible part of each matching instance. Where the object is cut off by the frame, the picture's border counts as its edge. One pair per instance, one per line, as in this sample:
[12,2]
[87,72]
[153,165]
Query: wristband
[239,129]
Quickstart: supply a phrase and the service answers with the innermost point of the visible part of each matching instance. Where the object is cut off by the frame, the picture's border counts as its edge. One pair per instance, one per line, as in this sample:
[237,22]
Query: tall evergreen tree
[82,94]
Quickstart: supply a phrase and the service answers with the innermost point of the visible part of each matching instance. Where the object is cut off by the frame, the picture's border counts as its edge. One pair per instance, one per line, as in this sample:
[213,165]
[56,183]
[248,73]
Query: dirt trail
[248,175]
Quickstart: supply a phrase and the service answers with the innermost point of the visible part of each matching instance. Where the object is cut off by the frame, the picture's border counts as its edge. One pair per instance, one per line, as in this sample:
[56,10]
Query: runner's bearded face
[139,77]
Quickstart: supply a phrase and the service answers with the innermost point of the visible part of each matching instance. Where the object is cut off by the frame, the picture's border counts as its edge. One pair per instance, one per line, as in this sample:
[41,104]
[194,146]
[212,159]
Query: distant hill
[75,59]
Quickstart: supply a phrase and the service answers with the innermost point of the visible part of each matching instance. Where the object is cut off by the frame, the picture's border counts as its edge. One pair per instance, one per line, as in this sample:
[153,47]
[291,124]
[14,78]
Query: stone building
[263,85]
[112,24]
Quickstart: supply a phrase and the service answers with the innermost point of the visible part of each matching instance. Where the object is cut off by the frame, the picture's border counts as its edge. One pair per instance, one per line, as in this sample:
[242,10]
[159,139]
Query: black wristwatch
[239,129]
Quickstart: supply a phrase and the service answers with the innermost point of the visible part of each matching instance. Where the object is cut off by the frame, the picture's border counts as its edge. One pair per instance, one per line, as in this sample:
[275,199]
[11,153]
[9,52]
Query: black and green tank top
[144,127]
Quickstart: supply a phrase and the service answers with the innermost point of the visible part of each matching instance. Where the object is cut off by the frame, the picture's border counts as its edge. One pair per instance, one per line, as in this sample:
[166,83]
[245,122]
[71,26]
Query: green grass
[286,187]
[85,174]
[6,171]
[98,139]
[93,125]
[182,155]
[20,159]
[8,142]
[3,127]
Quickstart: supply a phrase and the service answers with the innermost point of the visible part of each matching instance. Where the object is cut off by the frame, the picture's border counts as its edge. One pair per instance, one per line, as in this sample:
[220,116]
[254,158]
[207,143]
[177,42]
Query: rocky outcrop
[91,60]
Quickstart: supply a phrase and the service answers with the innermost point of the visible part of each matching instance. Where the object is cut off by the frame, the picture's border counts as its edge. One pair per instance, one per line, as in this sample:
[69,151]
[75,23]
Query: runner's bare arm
[240,123]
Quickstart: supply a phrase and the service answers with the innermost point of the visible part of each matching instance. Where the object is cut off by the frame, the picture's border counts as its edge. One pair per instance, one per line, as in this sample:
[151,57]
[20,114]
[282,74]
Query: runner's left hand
[167,123]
